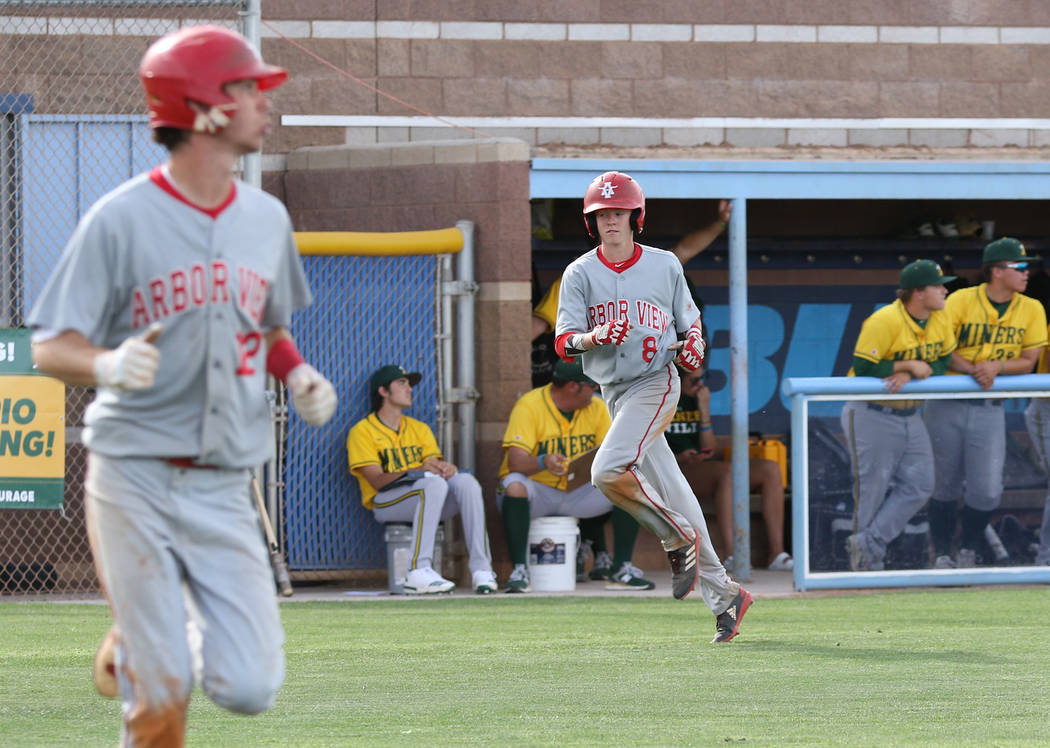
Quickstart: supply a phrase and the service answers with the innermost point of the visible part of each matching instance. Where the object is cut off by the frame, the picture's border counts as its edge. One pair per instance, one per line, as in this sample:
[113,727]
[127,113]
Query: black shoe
[727,623]
[684,568]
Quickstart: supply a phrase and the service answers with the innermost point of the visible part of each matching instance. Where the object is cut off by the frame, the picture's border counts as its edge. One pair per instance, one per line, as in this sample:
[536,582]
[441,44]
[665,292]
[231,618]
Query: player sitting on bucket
[403,478]
[550,427]
[173,298]
[621,309]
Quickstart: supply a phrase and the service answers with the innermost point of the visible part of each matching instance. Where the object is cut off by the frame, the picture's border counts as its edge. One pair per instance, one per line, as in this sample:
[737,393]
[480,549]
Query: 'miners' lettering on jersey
[395,459]
[571,446]
[972,334]
[921,352]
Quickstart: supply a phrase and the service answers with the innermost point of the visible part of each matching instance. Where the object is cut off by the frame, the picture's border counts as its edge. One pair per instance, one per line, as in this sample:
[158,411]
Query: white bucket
[399,538]
[552,553]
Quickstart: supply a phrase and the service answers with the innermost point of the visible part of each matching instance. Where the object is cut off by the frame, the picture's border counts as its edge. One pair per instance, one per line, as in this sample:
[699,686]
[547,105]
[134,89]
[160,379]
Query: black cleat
[727,623]
[684,568]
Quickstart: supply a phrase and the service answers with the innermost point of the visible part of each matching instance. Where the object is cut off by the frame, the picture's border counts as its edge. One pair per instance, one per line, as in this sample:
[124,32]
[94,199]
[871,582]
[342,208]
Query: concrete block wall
[731,76]
[933,76]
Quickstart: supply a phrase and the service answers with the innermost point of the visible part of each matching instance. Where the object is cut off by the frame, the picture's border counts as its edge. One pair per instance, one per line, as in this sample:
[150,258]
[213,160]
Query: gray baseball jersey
[649,290]
[217,281]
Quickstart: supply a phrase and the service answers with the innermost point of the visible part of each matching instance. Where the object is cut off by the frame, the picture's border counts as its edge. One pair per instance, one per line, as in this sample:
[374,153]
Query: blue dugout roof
[803,180]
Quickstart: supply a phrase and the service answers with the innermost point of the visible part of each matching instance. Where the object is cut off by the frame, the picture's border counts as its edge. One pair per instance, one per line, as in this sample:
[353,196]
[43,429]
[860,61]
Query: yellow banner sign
[32,442]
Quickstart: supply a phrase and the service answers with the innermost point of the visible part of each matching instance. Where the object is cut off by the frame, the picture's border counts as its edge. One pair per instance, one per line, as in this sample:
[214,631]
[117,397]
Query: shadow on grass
[871,655]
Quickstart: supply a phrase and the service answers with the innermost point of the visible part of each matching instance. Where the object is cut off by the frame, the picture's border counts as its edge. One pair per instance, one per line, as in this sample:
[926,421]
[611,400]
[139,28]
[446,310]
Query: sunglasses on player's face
[1019,266]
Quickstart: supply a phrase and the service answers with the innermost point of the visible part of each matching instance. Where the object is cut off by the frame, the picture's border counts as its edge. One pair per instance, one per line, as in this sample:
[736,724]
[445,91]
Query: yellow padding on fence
[378,244]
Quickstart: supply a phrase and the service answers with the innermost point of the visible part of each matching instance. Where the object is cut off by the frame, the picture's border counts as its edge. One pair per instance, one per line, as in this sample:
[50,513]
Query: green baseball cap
[388,374]
[923,273]
[1006,249]
[571,371]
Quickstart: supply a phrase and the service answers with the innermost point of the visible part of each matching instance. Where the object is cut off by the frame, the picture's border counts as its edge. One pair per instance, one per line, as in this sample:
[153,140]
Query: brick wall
[677,60]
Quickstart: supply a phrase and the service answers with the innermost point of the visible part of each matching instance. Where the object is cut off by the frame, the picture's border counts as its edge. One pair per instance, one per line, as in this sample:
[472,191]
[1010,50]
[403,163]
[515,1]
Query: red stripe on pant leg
[660,509]
[638,454]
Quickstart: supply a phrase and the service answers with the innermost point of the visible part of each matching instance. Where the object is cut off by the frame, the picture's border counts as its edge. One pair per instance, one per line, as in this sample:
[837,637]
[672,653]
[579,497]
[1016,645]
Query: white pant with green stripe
[429,500]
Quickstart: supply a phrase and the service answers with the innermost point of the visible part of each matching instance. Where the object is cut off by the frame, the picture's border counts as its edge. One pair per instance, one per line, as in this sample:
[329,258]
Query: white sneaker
[519,579]
[944,562]
[426,581]
[783,562]
[966,559]
[629,577]
[484,582]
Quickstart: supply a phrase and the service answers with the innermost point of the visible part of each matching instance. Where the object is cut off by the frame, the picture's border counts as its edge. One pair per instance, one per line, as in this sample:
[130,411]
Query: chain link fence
[72,127]
[367,312]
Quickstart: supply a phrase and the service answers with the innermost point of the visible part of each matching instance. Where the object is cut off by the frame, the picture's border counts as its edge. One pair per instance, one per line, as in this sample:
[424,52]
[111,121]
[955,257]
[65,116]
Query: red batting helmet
[194,64]
[614,189]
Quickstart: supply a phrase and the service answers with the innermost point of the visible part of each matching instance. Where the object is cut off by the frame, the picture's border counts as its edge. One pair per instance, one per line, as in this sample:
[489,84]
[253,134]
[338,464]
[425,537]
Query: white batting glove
[313,396]
[691,354]
[132,365]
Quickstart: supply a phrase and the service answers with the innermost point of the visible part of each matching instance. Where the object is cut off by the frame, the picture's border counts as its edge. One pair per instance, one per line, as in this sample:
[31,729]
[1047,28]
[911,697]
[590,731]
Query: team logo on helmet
[608,189]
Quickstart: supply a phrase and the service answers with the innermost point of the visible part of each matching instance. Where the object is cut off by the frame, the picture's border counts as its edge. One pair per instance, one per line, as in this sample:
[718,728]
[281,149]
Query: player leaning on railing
[889,446]
[1000,332]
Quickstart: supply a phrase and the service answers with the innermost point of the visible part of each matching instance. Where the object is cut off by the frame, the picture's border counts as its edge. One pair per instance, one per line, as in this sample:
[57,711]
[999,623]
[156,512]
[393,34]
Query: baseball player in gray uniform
[173,298]
[622,308]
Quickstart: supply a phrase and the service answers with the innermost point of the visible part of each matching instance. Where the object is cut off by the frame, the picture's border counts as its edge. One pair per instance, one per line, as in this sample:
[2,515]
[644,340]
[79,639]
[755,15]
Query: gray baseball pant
[1037,419]
[892,463]
[155,528]
[635,468]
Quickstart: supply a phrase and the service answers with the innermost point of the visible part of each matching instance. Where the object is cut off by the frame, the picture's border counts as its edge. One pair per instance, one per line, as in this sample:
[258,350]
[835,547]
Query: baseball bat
[280,568]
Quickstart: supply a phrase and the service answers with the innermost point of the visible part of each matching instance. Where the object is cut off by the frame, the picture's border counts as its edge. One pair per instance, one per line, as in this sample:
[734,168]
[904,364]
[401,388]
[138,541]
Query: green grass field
[941,667]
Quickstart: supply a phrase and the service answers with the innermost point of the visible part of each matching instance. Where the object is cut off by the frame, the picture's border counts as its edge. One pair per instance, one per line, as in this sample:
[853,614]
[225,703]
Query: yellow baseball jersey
[985,336]
[1042,366]
[891,334]
[536,425]
[372,442]
[547,309]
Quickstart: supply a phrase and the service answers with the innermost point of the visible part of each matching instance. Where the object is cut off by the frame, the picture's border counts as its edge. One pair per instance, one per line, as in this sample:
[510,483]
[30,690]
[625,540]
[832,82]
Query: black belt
[187,462]
[984,401]
[893,411]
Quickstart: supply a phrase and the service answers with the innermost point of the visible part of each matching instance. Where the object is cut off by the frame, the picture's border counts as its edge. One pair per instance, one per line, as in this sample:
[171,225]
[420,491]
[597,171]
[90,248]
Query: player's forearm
[940,366]
[68,356]
[539,326]
[862,367]
[276,333]
[695,242]
[520,461]
[378,478]
[1023,364]
[571,344]
[960,364]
